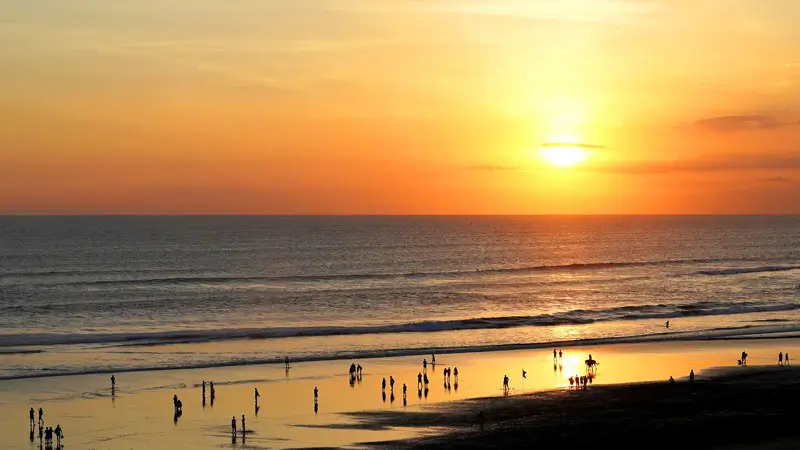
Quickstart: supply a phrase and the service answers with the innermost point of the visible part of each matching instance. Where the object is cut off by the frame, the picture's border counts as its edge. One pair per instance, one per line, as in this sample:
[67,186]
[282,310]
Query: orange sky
[399,106]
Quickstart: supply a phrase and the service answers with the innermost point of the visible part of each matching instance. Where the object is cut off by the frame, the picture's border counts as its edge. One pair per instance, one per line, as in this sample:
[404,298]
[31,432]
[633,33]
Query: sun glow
[563,155]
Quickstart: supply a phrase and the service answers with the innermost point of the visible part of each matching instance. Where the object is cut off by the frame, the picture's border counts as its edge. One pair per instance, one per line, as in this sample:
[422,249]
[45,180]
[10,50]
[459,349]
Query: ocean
[112,294]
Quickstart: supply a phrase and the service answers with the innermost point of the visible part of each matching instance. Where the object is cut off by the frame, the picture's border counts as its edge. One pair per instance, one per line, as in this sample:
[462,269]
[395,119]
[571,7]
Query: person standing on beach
[667,324]
[555,355]
[316,395]
[233,425]
[113,382]
[424,366]
[744,358]
[213,392]
[59,434]
[524,374]
[786,357]
[433,359]
[30,413]
[419,379]
[256,395]
[505,382]
[244,428]
[383,385]
[41,417]
[560,355]
[780,358]
[691,375]
[391,383]
[455,372]
[286,361]
[405,388]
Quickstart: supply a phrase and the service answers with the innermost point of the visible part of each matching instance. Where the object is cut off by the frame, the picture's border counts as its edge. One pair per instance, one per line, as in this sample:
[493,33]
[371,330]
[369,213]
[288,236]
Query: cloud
[709,164]
[776,180]
[743,122]
[492,168]
[571,144]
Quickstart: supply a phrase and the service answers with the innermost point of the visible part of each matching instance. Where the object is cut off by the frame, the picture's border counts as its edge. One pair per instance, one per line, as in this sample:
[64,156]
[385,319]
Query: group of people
[212,390]
[783,359]
[579,381]
[46,434]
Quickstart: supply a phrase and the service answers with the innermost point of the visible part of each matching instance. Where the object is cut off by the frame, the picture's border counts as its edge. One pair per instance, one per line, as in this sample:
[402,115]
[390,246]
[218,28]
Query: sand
[140,413]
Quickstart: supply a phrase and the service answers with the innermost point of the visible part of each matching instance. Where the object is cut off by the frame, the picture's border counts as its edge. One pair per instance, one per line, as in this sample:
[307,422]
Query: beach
[140,414]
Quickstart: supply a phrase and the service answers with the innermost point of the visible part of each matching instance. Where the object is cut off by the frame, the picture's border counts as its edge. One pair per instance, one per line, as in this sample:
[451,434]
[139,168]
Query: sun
[563,155]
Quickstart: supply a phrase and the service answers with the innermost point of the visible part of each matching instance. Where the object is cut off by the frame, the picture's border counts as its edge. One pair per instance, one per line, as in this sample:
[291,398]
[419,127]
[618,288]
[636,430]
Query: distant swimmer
[524,374]
[667,324]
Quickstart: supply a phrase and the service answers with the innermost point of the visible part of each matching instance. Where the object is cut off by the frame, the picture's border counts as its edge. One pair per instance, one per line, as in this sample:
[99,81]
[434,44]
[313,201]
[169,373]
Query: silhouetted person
[48,436]
[113,382]
[425,379]
[505,382]
[59,434]
[257,395]
[213,392]
[30,414]
[667,324]
[41,417]
[691,375]
[744,358]
[455,372]
[233,425]
[780,358]
[244,427]
[524,374]
[405,389]
[286,360]
[419,379]
[316,394]
[671,380]
[555,354]
[433,359]
[204,388]
[424,366]
[559,354]
[383,385]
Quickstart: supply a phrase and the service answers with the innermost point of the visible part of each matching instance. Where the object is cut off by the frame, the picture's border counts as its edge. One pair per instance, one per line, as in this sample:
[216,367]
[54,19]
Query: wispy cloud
[776,180]
[743,122]
[709,164]
[572,144]
[493,168]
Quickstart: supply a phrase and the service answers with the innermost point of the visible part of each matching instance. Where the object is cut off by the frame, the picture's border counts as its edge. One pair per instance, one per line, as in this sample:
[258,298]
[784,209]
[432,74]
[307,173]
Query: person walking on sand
[419,379]
[780,358]
[31,413]
[59,435]
[233,425]
[41,417]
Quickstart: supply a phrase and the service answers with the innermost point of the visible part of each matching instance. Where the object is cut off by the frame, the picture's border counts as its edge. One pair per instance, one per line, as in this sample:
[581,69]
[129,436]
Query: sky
[399,106]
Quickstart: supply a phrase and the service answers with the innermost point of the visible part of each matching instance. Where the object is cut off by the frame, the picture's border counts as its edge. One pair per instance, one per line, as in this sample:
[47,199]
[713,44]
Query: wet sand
[736,408]
[140,413]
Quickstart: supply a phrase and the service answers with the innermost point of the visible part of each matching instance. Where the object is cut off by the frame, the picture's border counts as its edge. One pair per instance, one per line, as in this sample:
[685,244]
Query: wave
[574,317]
[746,270]
[221,279]
[743,332]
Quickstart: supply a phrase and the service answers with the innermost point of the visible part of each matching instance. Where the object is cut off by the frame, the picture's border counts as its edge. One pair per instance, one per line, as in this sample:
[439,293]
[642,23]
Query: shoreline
[757,400]
[655,338]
